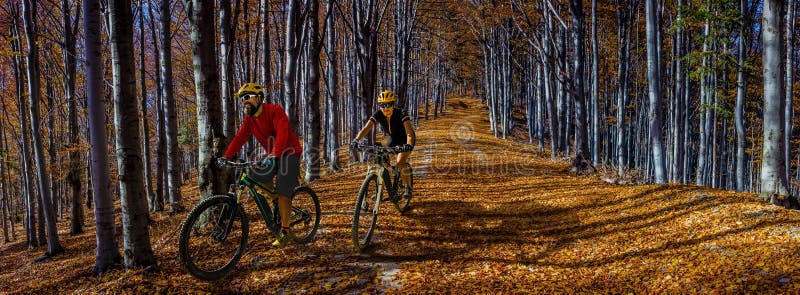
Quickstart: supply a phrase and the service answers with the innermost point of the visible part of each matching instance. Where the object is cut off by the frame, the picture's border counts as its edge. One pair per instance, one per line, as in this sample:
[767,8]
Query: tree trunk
[773,174]
[4,216]
[788,108]
[22,106]
[552,122]
[561,104]
[332,99]
[145,121]
[549,96]
[170,113]
[227,41]
[366,23]
[244,50]
[34,87]
[136,238]
[211,138]
[623,35]
[741,90]
[158,202]
[266,62]
[312,139]
[40,233]
[530,103]
[4,200]
[654,81]
[581,134]
[107,252]
[89,191]
[51,144]
[293,46]
[595,91]
[704,117]
[680,107]
[714,141]
[540,97]
[405,21]
[8,190]
[74,172]
[491,85]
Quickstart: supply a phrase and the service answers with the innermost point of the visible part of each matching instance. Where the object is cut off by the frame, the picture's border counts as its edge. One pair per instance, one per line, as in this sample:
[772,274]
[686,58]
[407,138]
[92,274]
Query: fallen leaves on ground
[488,216]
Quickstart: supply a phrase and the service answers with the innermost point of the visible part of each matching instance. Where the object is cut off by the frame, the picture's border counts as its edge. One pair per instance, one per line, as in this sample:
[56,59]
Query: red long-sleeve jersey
[271,129]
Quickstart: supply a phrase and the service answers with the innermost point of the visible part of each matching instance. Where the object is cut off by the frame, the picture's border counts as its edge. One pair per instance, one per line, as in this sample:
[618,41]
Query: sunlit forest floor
[488,216]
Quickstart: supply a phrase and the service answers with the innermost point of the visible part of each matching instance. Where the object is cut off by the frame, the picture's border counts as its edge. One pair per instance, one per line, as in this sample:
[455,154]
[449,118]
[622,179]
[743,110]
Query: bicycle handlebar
[232,164]
[376,149]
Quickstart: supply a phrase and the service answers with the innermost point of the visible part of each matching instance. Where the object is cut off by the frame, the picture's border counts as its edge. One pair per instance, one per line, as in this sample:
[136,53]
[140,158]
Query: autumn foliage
[489,216]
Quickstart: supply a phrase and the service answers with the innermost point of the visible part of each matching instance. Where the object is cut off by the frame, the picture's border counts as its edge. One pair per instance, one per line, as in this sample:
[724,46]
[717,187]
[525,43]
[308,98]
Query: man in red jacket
[269,124]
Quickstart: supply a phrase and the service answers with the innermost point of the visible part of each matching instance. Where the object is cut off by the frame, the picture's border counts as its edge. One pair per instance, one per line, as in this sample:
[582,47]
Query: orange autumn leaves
[489,216]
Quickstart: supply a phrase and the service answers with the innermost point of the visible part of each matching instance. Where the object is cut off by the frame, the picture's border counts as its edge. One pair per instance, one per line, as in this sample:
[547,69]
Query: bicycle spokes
[305,214]
[299,216]
[213,237]
[365,213]
[214,234]
[222,223]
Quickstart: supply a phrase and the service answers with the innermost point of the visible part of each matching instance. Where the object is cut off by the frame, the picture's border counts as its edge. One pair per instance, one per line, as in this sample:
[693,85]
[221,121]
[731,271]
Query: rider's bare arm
[410,135]
[365,130]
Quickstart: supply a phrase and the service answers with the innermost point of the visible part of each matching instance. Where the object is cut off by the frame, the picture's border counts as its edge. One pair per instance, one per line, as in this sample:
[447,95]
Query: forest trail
[488,216]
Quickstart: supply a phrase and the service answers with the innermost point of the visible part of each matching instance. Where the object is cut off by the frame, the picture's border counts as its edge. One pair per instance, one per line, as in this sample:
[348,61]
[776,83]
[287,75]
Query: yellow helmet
[250,88]
[387,96]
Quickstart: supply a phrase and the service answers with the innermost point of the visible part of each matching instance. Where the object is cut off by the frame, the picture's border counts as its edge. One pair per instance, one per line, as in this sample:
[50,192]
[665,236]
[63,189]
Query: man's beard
[387,113]
[251,110]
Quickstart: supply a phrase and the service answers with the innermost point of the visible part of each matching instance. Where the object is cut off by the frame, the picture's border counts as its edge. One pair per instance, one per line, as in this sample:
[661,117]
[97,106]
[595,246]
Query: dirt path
[491,216]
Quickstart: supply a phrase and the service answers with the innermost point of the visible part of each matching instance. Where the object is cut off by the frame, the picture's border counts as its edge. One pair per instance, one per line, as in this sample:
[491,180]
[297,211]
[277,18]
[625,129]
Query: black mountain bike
[365,215]
[214,235]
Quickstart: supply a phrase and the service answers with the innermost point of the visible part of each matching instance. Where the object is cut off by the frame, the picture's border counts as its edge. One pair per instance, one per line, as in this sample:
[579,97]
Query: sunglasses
[386,105]
[247,97]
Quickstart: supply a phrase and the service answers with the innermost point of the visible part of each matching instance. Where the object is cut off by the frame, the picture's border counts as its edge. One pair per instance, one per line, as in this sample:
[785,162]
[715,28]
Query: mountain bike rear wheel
[304,219]
[402,201]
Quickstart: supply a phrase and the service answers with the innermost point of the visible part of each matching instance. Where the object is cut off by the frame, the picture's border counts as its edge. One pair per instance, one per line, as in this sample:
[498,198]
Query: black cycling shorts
[285,173]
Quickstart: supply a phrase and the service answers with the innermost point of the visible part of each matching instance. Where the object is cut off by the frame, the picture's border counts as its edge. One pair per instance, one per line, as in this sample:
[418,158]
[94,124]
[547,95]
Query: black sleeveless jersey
[393,127]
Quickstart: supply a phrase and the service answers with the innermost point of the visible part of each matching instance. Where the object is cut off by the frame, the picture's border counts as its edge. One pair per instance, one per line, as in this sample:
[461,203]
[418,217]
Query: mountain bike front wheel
[365,214]
[213,237]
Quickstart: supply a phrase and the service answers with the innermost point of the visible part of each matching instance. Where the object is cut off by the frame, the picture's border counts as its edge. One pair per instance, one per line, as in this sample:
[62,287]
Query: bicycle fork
[378,192]
[229,214]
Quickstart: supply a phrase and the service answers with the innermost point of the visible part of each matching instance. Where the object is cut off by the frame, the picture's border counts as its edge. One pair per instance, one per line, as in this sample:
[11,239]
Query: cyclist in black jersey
[400,134]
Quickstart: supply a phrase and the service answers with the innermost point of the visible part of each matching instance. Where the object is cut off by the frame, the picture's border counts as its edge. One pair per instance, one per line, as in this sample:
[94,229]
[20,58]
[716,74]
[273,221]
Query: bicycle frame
[380,169]
[270,213]
[214,218]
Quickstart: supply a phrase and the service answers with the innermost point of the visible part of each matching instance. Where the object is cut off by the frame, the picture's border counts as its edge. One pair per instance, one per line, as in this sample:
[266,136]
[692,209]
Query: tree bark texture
[211,137]
[773,174]
[106,252]
[135,233]
[34,93]
[170,112]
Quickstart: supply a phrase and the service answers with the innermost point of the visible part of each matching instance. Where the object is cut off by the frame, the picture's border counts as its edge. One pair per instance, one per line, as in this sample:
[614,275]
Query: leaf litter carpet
[488,216]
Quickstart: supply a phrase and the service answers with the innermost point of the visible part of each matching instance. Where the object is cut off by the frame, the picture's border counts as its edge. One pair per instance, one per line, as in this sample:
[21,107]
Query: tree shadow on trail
[451,230]
[469,231]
